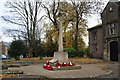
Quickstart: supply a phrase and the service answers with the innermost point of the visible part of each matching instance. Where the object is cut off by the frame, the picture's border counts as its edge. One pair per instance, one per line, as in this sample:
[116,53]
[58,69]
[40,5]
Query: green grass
[26,59]
[22,59]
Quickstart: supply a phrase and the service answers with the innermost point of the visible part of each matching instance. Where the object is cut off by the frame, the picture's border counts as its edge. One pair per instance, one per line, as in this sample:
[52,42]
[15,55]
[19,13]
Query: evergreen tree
[17,48]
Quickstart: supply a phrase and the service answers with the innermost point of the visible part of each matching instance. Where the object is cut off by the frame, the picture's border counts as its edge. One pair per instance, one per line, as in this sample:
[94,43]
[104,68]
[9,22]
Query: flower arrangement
[47,63]
[70,64]
[64,64]
[58,65]
[47,66]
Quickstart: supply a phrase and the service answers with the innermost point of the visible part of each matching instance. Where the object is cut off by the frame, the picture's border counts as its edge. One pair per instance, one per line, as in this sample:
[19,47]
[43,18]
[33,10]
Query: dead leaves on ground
[86,60]
[103,68]
[6,75]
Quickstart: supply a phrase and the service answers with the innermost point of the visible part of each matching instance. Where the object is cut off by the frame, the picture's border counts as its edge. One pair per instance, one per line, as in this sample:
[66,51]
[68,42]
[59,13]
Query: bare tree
[80,10]
[27,15]
[52,10]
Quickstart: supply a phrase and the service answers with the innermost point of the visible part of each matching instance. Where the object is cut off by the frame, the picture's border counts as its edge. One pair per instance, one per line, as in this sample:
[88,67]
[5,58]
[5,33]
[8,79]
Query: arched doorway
[114,51]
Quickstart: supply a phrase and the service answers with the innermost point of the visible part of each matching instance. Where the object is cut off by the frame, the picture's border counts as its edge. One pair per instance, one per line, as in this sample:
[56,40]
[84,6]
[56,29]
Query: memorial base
[67,68]
[60,57]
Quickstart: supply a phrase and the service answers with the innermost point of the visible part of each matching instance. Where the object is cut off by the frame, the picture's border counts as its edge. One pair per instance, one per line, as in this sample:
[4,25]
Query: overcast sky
[92,21]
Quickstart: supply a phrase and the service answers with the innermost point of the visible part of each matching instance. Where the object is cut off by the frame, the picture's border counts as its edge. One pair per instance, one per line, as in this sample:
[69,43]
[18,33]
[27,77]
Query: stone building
[0,48]
[4,48]
[107,35]
[96,41]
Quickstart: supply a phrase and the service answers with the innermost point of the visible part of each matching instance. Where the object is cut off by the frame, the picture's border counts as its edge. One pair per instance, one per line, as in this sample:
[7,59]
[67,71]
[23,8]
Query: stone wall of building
[96,42]
[111,29]
[4,49]
[108,36]
[0,47]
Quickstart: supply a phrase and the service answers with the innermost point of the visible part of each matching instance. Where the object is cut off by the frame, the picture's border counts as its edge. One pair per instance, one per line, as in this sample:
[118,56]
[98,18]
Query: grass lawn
[49,58]
[27,59]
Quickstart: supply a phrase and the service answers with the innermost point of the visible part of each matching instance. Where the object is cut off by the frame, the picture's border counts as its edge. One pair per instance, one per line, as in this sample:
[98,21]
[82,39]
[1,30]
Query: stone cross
[60,56]
[60,41]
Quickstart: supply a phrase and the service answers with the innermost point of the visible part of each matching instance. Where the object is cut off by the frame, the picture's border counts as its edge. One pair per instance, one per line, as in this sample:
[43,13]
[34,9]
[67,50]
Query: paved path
[115,71]
[87,71]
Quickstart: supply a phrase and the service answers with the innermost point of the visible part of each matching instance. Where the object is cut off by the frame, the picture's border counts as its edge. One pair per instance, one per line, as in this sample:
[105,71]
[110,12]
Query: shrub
[17,58]
[87,52]
[81,53]
[71,51]
[41,58]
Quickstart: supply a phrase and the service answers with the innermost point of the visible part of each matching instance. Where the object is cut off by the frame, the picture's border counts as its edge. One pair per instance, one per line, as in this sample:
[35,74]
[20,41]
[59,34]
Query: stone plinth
[67,68]
[61,56]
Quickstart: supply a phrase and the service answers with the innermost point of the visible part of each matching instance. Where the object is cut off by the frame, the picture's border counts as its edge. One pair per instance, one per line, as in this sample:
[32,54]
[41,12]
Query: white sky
[3,25]
[92,21]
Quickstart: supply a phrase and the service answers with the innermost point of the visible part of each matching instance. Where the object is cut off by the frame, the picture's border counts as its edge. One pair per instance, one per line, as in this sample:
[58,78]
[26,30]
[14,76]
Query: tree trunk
[30,50]
[76,34]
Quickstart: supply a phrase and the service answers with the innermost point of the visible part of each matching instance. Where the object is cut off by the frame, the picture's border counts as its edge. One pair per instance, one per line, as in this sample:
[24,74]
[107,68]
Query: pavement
[86,71]
[115,71]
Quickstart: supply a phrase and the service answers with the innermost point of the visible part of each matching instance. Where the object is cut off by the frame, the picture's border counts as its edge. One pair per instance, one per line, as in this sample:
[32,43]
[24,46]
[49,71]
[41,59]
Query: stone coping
[67,68]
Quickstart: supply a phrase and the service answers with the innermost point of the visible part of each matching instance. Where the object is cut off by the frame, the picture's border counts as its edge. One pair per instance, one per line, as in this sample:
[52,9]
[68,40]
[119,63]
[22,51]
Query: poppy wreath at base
[44,66]
[47,62]
[64,64]
[58,65]
[47,66]
[71,64]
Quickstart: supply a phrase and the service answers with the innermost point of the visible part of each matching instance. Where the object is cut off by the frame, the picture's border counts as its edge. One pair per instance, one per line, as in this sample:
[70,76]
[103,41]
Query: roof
[118,3]
[95,27]
[111,1]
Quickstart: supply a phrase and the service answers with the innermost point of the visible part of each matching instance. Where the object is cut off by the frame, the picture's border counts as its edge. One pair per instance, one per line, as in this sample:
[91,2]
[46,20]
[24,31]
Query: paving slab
[86,71]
